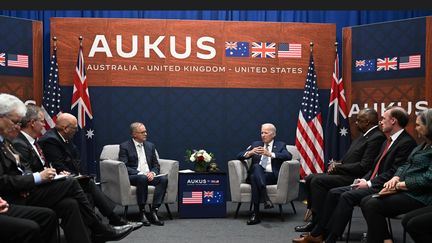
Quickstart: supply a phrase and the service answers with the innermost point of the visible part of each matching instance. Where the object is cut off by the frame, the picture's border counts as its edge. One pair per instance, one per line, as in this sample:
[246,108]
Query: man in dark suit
[142,164]
[340,201]
[267,157]
[58,150]
[65,197]
[27,224]
[356,162]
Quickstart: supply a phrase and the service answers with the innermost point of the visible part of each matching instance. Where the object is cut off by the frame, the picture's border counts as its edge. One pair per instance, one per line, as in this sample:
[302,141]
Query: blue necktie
[264,159]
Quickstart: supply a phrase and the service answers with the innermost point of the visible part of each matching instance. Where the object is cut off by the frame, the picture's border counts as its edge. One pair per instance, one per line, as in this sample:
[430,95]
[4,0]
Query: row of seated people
[32,200]
[384,172]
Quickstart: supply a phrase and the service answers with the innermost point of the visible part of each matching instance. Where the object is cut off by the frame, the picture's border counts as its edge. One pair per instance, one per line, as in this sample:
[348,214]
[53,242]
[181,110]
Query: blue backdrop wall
[223,121]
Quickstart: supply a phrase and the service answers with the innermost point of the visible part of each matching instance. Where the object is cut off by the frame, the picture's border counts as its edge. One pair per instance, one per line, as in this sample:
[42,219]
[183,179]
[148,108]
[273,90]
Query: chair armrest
[237,174]
[170,167]
[288,180]
[115,180]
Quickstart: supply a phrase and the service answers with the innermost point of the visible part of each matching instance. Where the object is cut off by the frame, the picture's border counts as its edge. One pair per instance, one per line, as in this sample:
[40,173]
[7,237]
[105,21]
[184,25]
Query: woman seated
[417,223]
[409,189]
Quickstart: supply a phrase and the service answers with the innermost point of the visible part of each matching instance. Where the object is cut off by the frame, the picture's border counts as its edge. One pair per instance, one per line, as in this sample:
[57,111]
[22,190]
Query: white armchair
[285,191]
[115,181]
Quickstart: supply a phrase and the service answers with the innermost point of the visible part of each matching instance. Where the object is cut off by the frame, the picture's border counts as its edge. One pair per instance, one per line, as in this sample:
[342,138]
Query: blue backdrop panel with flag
[380,51]
[16,49]
[337,133]
[81,108]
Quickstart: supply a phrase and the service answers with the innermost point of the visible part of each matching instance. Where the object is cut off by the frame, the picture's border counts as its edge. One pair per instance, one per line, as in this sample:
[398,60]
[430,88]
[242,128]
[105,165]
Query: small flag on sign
[263,50]
[192,197]
[237,49]
[2,59]
[365,65]
[408,62]
[286,50]
[17,60]
[215,198]
[386,64]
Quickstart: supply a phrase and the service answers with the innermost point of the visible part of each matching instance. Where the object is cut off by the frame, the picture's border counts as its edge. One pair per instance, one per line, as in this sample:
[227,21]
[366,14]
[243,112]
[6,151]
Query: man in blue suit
[267,157]
[143,167]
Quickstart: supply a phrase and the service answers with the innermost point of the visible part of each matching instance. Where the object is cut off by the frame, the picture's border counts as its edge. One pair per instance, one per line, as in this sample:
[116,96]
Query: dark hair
[400,114]
[31,114]
[371,115]
[426,119]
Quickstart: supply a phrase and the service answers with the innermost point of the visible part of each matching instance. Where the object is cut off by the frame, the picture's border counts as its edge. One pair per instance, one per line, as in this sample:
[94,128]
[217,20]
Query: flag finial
[311,44]
[336,45]
[80,38]
[55,42]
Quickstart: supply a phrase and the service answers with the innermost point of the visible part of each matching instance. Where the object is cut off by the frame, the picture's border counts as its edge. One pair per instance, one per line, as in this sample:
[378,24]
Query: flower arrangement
[200,158]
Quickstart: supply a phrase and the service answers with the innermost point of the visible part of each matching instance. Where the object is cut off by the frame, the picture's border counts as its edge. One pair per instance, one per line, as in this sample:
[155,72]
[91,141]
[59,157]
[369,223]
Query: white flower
[207,157]
[192,158]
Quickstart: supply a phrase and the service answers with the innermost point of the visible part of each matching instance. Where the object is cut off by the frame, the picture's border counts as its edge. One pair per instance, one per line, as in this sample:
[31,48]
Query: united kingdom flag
[81,108]
[263,50]
[387,63]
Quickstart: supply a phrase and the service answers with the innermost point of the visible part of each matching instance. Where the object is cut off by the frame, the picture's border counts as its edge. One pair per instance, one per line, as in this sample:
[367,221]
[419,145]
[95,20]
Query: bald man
[59,150]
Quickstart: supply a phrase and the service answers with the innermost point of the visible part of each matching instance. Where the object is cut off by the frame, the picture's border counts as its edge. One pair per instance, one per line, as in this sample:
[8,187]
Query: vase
[200,167]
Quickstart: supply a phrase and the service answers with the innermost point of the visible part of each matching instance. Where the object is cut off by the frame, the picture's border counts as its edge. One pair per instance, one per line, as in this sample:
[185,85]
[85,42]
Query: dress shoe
[254,219]
[112,233]
[154,219]
[122,221]
[144,220]
[305,228]
[268,204]
[309,239]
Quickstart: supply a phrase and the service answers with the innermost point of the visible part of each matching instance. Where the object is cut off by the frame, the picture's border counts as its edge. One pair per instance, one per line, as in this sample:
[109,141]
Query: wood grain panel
[220,71]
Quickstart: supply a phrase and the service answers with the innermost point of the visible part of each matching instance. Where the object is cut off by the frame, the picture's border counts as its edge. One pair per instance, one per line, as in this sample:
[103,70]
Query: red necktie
[382,156]
[39,150]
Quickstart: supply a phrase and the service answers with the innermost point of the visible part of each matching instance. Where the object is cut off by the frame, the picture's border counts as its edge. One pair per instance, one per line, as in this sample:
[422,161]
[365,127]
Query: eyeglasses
[16,123]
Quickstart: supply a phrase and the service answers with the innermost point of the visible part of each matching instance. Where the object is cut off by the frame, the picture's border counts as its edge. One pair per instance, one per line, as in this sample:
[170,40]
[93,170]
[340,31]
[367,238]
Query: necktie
[264,159]
[39,151]
[142,161]
[375,171]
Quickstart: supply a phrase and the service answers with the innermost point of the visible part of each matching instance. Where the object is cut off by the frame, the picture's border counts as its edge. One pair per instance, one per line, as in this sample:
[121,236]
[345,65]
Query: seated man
[65,197]
[267,157]
[340,201]
[58,150]
[356,162]
[142,164]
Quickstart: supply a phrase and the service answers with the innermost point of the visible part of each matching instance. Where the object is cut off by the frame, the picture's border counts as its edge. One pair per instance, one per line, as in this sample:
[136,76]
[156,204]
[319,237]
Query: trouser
[141,182]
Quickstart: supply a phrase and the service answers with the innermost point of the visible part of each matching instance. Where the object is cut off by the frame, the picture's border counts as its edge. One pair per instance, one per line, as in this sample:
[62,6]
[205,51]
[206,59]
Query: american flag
[408,62]
[2,59]
[192,197]
[51,101]
[81,108]
[337,133]
[263,50]
[17,61]
[386,64]
[289,50]
[309,134]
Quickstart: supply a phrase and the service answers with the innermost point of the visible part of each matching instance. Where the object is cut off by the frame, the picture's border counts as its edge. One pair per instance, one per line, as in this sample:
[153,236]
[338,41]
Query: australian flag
[337,137]
[81,108]
[213,197]
[236,49]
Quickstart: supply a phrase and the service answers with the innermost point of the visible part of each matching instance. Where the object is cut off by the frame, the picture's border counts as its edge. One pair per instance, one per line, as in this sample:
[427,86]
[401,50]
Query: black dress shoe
[268,204]
[112,233]
[254,219]
[118,222]
[154,219]
[144,220]
[305,228]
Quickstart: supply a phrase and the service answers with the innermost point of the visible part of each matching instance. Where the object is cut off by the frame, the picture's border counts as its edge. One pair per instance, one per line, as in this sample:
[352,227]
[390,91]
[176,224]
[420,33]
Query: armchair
[285,191]
[115,181]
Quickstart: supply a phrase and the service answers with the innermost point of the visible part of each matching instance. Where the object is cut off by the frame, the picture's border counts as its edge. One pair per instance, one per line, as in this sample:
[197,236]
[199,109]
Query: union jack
[360,63]
[2,59]
[208,193]
[263,50]
[231,45]
[387,63]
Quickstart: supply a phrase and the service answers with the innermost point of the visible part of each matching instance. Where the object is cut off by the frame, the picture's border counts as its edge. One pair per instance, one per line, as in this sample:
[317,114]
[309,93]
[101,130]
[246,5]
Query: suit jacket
[63,156]
[128,154]
[280,150]
[417,174]
[12,180]
[28,155]
[396,155]
[360,156]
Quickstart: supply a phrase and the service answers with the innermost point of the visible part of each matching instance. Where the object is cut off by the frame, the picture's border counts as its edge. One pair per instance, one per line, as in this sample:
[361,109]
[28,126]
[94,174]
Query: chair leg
[404,236]
[125,211]
[349,230]
[293,207]
[238,207]
[390,228]
[169,211]
[281,212]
